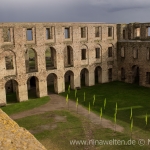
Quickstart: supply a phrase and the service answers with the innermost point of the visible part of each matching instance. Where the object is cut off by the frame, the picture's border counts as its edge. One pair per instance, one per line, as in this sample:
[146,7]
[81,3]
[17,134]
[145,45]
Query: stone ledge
[14,137]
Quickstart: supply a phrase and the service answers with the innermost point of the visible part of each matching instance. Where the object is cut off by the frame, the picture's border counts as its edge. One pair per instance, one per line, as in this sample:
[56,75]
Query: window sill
[68,66]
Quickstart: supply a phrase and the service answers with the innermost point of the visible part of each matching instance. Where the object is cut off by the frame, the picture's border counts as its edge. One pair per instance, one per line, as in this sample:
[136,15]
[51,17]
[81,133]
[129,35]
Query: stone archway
[33,87]
[98,74]
[69,79]
[84,77]
[135,74]
[52,85]
[11,88]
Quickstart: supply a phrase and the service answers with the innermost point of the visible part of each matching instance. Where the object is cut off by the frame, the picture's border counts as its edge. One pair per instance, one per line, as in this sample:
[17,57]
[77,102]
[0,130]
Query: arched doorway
[98,74]
[69,79]
[84,77]
[52,86]
[135,74]
[11,88]
[33,87]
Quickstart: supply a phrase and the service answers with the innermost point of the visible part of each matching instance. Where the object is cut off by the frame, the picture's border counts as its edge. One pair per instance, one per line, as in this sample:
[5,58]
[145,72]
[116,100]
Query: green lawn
[58,128]
[49,130]
[59,132]
[26,105]
[126,95]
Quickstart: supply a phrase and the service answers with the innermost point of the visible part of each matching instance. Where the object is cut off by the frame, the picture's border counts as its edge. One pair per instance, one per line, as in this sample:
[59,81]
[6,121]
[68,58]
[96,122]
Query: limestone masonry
[36,55]
[13,137]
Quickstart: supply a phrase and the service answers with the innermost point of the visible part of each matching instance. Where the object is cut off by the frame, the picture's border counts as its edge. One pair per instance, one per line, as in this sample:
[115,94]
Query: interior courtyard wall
[18,45]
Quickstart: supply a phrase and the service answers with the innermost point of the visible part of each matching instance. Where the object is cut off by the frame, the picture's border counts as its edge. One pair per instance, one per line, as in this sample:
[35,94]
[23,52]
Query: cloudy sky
[109,11]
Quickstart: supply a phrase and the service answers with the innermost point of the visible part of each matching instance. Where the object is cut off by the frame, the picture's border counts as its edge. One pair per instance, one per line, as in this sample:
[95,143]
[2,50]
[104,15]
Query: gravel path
[58,102]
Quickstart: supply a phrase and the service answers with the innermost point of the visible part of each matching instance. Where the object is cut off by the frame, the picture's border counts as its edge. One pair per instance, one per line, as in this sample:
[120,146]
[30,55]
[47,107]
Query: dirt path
[58,102]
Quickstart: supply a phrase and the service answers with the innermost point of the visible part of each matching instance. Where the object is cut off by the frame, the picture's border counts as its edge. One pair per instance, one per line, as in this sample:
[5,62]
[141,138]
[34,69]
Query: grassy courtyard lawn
[55,130]
[26,105]
[126,95]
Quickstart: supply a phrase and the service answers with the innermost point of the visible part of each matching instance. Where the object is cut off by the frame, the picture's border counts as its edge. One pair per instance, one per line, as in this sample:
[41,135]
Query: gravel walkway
[58,102]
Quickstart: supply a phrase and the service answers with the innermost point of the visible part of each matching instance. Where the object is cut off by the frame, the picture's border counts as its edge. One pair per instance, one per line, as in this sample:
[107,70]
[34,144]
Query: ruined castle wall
[136,53]
[14,43]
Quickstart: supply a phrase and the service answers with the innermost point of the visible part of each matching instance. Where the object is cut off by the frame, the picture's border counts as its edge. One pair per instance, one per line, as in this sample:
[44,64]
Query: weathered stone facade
[39,54]
[133,53]
[14,137]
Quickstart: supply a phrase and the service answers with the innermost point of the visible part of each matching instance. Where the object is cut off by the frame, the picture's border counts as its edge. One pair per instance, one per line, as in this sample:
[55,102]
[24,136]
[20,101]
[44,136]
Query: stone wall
[136,49]
[14,137]
[14,42]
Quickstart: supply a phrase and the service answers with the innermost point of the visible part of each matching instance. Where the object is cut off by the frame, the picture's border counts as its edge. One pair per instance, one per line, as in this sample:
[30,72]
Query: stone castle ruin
[35,55]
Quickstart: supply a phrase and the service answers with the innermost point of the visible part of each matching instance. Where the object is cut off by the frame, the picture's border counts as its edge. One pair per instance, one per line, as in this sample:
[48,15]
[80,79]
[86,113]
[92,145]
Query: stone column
[42,88]
[22,92]
[91,78]
[2,97]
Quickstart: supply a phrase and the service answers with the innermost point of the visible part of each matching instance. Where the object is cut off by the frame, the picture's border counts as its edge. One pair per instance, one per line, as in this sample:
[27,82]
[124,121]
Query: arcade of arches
[52,84]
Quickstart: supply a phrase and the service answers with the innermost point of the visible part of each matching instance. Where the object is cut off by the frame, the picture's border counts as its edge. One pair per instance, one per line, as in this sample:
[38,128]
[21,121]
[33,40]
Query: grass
[62,132]
[126,96]
[75,127]
[11,98]
[26,105]
[72,127]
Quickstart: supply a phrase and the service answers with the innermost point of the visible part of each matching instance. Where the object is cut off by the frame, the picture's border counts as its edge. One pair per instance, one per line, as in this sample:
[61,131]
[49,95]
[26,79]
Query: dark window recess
[148,77]
[48,33]
[67,33]
[110,74]
[29,35]
[7,36]
[68,55]
[122,74]
[83,54]
[109,51]
[9,62]
[83,32]
[109,31]
[97,52]
[97,34]
[129,34]
[124,32]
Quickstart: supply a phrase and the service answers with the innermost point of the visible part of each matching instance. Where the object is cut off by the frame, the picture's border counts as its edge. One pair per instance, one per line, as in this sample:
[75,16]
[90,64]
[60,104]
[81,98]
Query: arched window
[50,58]
[68,56]
[31,60]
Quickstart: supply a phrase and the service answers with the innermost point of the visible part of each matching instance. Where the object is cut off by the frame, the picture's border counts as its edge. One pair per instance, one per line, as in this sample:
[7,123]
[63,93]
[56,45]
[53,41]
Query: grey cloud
[113,11]
[116,9]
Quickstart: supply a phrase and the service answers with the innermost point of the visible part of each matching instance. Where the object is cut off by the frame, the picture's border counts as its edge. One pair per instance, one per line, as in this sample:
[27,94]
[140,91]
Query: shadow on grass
[11,98]
[126,95]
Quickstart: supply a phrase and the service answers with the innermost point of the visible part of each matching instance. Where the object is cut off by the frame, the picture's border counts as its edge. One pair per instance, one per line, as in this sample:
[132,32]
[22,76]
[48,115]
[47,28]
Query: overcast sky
[109,11]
